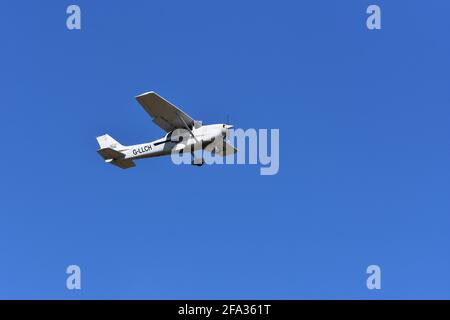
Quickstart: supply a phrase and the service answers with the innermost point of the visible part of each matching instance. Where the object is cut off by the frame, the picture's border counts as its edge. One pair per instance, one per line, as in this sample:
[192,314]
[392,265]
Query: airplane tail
[109,150]
[106,141]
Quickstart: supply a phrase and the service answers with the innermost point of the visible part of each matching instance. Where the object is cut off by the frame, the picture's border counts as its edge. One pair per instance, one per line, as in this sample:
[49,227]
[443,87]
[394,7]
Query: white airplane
[191,136]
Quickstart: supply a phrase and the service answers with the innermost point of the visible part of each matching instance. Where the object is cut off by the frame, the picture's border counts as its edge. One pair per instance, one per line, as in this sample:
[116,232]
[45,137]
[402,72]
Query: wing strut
[187,127]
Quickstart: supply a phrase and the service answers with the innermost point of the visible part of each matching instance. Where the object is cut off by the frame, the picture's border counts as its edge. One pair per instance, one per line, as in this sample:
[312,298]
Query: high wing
[165,114]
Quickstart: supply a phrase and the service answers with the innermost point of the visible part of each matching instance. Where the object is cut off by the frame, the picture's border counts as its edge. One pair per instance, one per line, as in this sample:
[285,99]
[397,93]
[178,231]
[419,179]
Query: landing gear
[197,161]
[199,164]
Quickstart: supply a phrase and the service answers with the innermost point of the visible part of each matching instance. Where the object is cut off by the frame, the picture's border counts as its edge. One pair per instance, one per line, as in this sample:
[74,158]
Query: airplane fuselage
[176,141]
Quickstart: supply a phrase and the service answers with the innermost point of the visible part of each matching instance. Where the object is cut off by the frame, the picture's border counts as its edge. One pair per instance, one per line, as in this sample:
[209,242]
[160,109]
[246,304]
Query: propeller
[227,126]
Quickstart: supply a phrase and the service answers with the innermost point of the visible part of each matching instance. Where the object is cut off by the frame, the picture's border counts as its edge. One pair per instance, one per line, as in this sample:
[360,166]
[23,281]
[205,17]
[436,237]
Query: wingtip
[145,93]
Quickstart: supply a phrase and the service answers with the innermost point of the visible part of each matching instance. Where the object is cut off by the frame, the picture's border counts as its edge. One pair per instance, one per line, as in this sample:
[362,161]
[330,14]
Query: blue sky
[364,150]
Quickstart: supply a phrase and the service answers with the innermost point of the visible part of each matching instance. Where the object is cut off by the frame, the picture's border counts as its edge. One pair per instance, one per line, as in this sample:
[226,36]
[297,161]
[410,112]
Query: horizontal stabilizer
[108,153]
[124,164]
[116,158]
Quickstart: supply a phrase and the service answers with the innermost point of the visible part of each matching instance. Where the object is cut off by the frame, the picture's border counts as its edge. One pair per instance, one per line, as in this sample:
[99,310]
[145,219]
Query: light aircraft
[184,134]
